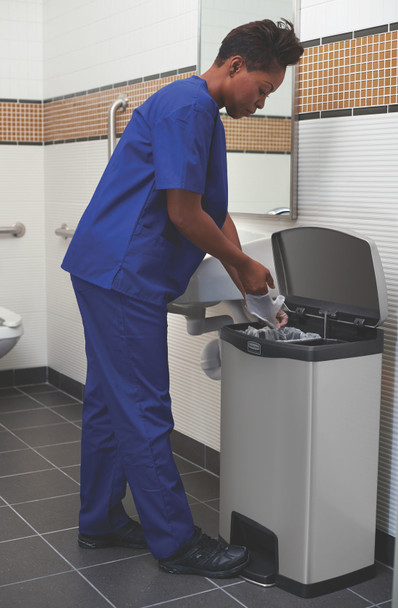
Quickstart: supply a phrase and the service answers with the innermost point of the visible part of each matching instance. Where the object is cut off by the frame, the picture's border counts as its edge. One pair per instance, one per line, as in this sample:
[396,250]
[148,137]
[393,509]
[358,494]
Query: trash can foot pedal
[263,548]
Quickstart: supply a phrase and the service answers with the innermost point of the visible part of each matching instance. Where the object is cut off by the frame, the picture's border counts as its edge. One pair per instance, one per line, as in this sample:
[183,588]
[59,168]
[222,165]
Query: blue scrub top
[125,239]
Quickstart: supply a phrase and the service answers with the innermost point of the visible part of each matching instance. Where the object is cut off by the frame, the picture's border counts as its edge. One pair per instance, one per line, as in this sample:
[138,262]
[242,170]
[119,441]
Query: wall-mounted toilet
[11,329]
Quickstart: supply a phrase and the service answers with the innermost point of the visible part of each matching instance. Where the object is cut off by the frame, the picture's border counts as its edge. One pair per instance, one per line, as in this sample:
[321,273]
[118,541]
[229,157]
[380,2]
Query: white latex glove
[264,307]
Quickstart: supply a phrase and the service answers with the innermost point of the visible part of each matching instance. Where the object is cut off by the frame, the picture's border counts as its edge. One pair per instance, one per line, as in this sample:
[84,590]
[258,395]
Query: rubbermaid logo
[254,348]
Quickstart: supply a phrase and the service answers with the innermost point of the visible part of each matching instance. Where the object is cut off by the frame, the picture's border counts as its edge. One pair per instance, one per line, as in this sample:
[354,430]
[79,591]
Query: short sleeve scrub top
[125,240]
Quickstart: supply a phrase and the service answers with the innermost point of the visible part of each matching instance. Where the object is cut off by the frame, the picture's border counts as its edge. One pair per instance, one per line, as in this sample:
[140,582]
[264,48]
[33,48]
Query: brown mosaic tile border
[21,121]
[84,117]
[350,74]
[258,134]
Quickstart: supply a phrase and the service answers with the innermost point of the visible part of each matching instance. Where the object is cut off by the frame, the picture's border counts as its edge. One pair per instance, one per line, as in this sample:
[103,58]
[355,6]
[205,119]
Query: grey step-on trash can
[300,421]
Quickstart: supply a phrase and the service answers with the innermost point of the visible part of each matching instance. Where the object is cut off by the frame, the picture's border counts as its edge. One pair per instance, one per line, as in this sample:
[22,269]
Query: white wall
[91,43]
[329,17]
[21,55]
[22,260]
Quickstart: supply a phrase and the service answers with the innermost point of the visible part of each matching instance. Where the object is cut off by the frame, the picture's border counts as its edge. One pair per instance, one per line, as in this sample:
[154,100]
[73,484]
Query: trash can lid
[322,270]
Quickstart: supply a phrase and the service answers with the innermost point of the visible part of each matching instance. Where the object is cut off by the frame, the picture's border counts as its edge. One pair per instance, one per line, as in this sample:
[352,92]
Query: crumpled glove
[264,307]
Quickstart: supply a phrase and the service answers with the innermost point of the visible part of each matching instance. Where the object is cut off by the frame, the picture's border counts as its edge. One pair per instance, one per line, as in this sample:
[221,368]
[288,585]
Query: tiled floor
[41,564]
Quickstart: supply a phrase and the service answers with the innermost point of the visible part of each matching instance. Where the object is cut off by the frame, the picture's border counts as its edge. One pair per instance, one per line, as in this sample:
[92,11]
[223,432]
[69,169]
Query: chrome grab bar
[64,231]
[17,230]
[121,102]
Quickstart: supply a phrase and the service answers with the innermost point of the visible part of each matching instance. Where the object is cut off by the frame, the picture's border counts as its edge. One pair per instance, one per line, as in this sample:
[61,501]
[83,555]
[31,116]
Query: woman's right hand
[255,277]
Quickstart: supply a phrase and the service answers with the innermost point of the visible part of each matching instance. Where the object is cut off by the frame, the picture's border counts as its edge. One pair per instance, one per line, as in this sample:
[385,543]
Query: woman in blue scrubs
[160,205]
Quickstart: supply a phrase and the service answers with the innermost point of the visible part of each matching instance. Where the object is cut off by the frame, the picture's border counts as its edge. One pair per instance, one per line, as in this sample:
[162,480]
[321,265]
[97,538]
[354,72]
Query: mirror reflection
[259,148]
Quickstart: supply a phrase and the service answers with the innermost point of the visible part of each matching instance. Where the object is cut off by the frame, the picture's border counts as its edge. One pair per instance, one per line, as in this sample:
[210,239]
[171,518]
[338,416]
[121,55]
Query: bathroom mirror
[261,149]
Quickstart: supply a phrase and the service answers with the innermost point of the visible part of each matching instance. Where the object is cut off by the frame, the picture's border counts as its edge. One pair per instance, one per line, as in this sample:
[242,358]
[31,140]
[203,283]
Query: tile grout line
[183,597]
[364,598]
[234,598]
[26,472]
[61,556]
[27,502]
[44,458]
[36,578]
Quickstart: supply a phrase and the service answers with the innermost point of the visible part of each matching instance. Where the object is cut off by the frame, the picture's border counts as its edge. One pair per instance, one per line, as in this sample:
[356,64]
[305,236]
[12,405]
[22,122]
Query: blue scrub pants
[127,421]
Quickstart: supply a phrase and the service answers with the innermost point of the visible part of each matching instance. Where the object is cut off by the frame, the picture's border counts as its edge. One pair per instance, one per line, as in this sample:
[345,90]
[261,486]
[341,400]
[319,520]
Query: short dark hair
[264,45]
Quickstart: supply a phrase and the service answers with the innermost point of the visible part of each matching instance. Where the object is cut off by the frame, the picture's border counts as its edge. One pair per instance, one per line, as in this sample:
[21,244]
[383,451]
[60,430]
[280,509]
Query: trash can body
[299,450]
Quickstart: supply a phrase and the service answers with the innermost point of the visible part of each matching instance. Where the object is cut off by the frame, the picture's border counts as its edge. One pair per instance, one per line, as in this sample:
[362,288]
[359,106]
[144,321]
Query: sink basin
[211,283]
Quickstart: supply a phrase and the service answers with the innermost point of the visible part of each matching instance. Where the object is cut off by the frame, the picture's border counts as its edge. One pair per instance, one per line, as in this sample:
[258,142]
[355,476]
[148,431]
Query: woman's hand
[281,319]
[255,277]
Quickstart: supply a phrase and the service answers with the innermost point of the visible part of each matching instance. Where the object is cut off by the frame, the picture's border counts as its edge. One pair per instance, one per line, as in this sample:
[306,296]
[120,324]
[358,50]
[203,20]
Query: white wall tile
[31,349]
[22,260]
[328,17]
[96,43]
[66,347]
[21,55]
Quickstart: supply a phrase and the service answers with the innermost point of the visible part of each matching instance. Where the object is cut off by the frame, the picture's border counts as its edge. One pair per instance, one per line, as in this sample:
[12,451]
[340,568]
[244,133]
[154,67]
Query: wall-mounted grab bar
[17,229]
[121,102]
[64,231]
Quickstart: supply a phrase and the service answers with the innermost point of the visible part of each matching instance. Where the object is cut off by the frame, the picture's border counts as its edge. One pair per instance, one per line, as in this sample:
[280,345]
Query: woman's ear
[235,64]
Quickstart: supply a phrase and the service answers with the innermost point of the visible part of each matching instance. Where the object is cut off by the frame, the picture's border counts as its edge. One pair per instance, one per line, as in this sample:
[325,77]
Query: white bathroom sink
[211,283]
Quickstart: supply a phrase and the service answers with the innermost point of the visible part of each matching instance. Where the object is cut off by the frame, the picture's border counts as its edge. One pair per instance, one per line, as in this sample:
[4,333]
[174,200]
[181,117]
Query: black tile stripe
[308,43]
[370,110]
[336,113]
[309,115]
[369,31]
[337,38]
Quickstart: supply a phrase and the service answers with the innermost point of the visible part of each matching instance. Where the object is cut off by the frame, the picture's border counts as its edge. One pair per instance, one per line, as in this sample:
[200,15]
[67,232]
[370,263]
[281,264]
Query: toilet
[11,329]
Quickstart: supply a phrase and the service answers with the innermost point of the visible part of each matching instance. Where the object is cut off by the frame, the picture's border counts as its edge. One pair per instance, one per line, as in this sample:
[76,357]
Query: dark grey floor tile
[378,589]
[9,442]
[385,605]
[73,471]
[51,514]
[66,543]
[29,418]
[184,466]
[253,596]
[34,486]
[214,504]
[12,526]
[32,389]
[28,558]
[205,518]
[62,455]
[21,461]
[68,590]
[139,582]
[17,403]
[55,398]
[202,486]
[70,412]
[64,432]
[6,392]
[214,598]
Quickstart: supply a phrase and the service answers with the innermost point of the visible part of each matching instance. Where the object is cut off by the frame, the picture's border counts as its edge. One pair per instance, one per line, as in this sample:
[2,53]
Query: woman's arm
[186,213]
[229,230]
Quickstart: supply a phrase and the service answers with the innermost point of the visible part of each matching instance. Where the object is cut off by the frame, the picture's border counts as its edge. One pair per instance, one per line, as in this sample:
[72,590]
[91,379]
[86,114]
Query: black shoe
[131,535]
[207,557]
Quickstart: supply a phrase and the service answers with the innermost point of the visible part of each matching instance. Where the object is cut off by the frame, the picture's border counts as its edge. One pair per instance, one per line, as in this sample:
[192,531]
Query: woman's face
[245,92]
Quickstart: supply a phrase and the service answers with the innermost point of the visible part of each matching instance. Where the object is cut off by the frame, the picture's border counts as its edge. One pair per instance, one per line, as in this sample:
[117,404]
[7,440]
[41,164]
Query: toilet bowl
[11,329]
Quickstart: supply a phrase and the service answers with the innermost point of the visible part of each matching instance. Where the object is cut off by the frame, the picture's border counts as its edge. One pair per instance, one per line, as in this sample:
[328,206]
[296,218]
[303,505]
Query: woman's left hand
[281,319]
